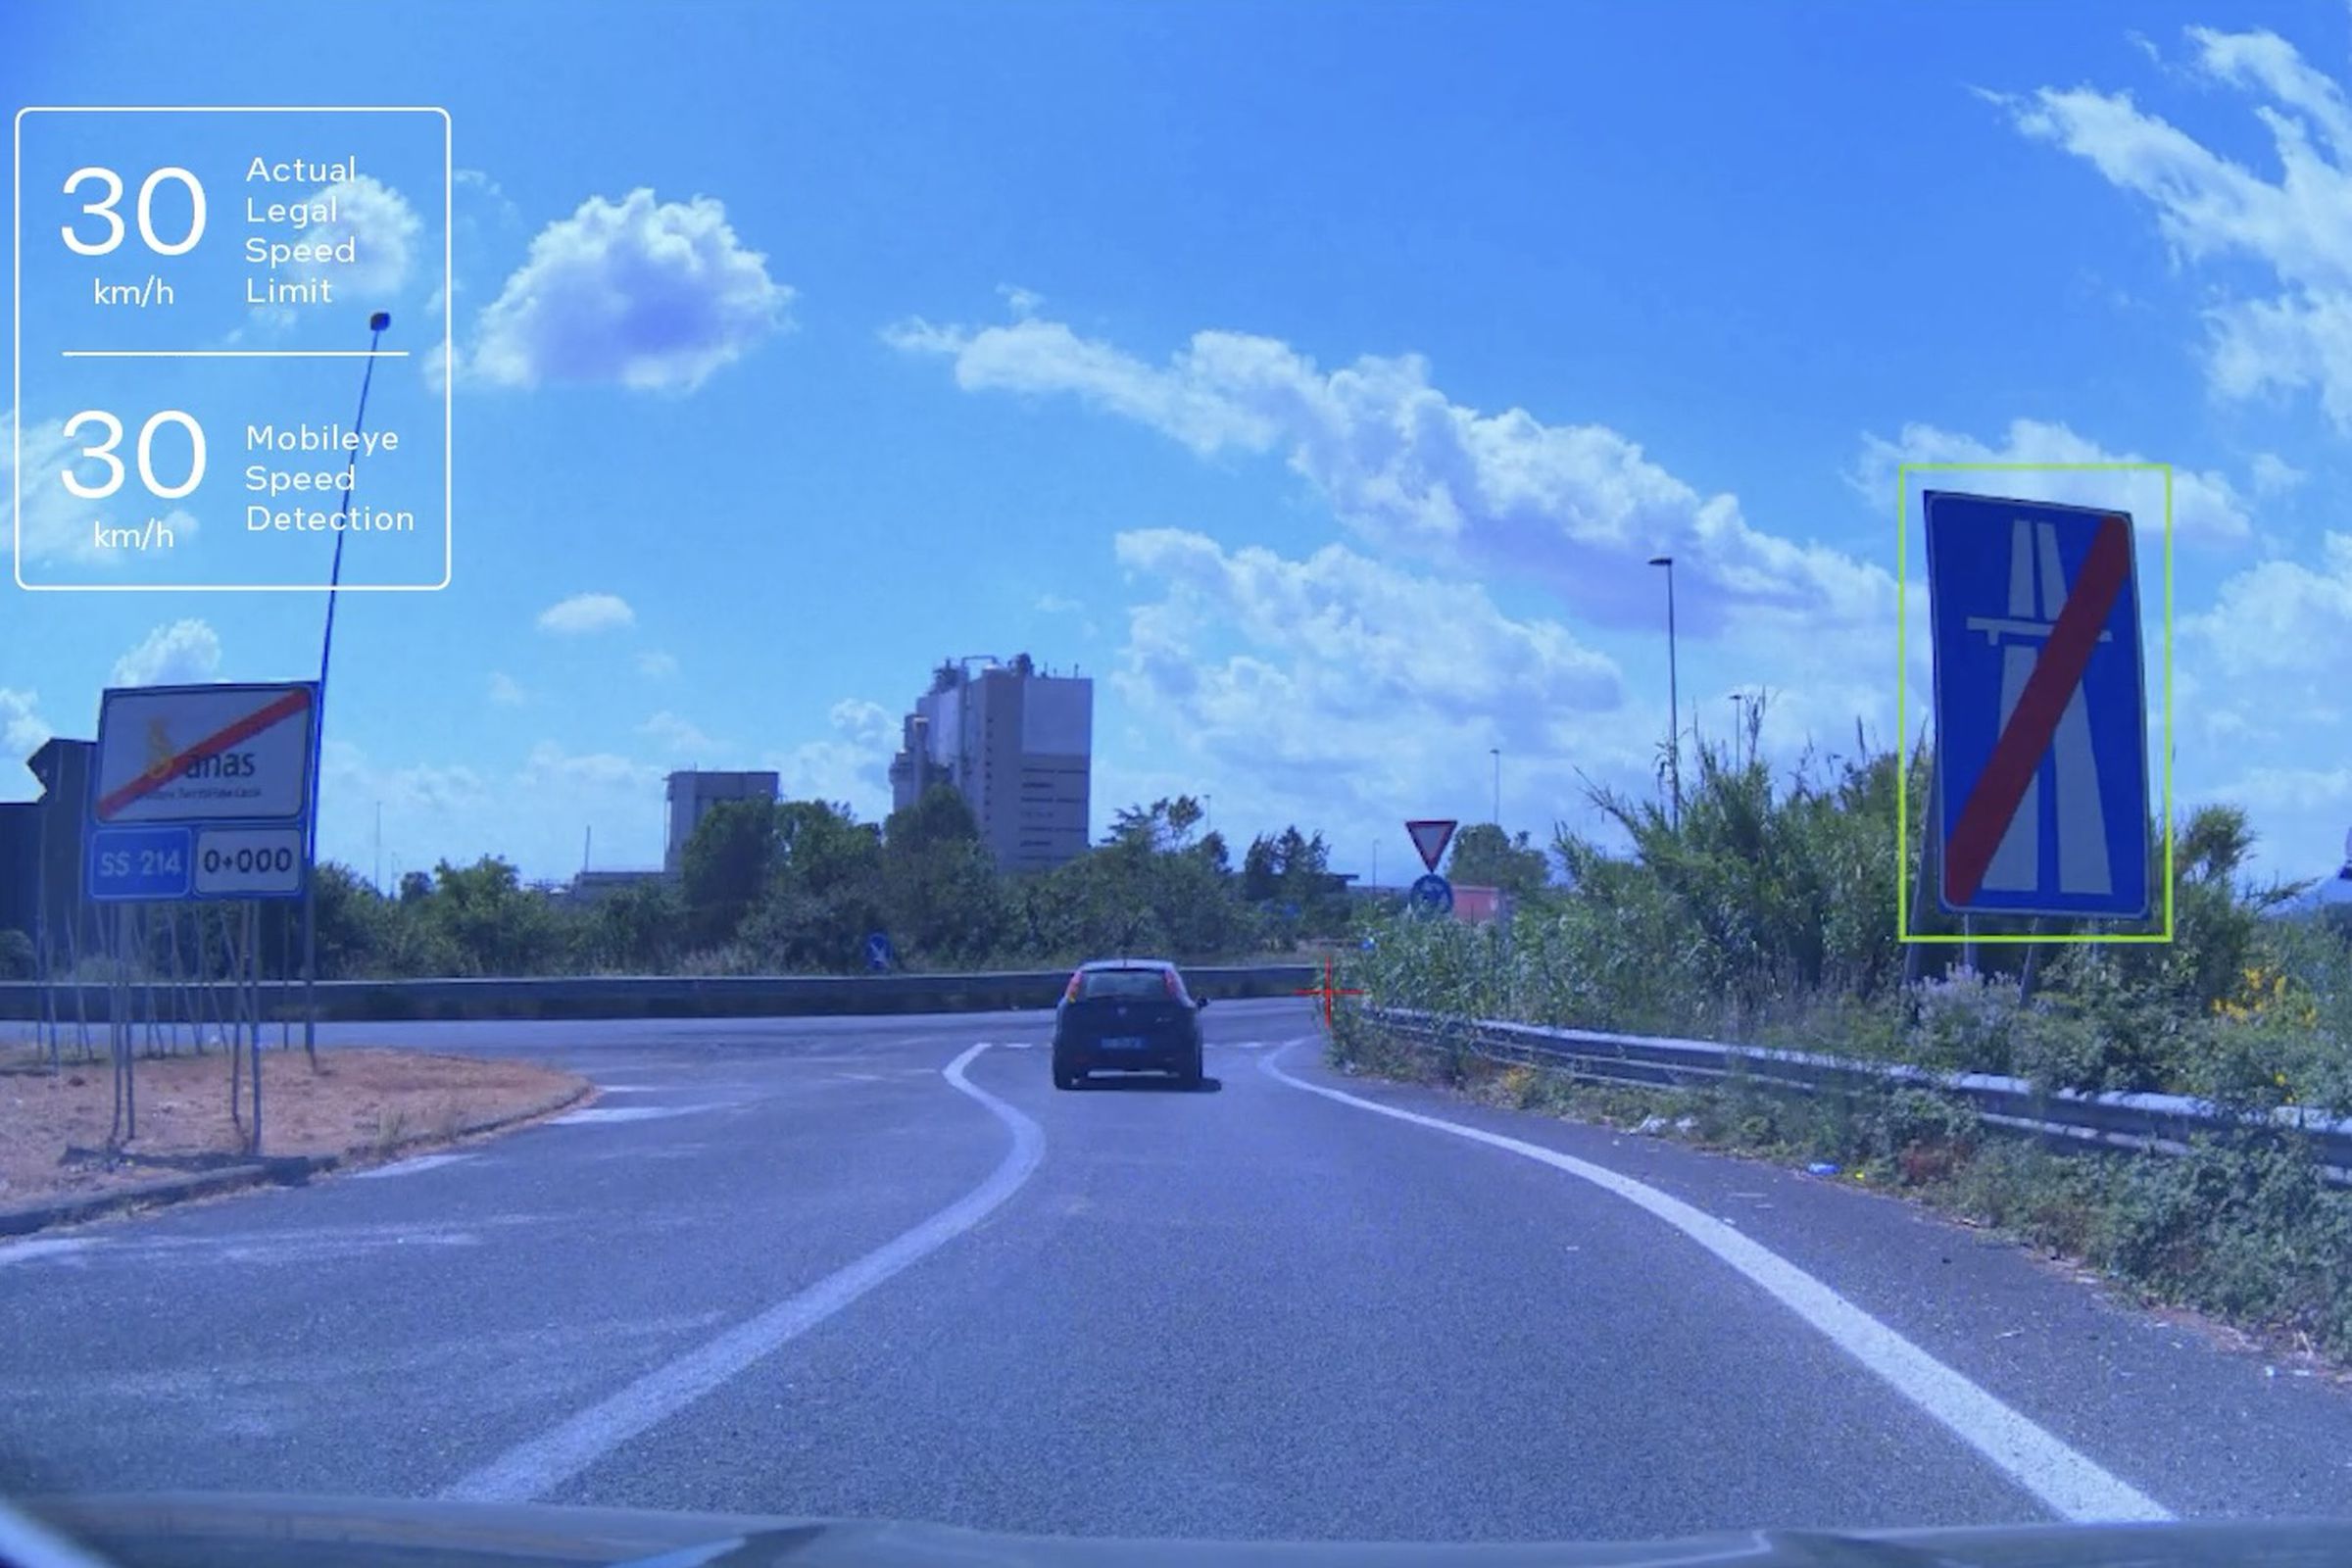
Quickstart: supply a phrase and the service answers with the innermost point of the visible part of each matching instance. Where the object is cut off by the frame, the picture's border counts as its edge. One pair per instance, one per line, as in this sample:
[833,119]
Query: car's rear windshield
[1123,983]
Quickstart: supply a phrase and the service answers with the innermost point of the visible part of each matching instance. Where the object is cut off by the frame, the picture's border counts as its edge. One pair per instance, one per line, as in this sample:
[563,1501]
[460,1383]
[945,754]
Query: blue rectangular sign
[2041,739]
[132,865]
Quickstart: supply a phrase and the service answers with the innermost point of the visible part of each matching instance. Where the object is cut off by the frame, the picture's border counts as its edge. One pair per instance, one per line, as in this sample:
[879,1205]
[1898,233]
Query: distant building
[693,793]
[1017,744]
[41,849]
[1475,906]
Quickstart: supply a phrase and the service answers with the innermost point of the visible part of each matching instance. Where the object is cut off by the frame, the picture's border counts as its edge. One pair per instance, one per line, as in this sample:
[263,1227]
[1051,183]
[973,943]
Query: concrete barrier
[639,997]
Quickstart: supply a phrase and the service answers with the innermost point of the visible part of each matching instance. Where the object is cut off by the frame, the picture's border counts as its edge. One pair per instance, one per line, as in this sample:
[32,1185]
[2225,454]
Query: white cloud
[653,296]
[506,691]
[2282,617]
[429,791]
[477,183]
[1057,605]
[441,364]
[1340,684]
[654,664]
[551,763]
[382,228]
[680,739]
[2205,505]
[2209,208]
[1579,508]
[56,526]
[533,814]
[587,612]
[1022,302]
[22,732]
[183,651]
[850,765]
[2295,789]
[2274,476]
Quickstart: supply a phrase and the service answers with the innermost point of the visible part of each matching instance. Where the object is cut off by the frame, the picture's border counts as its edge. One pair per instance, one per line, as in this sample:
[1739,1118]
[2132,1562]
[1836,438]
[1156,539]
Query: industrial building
[41,850]
[692,793]
[1017,744]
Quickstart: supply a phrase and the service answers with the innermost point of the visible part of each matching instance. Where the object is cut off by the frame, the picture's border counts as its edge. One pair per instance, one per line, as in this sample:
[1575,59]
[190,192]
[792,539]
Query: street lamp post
[376,323]
[1496,752]
[1674,697]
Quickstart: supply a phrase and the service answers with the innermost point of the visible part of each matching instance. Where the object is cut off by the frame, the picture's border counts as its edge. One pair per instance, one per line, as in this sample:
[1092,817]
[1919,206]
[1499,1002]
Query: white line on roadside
[44,1247]
[2068,1481]
[610,1113]
[545,1462]
[410,1167]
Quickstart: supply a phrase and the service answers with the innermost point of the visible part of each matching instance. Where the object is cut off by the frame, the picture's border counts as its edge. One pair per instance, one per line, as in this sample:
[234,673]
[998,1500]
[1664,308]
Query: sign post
[205,794]
[2041,754]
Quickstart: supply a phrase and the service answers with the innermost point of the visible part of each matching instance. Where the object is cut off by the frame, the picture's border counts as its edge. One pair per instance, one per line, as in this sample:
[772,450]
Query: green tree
[1213,853]
[1482,856]
[352,922]
[725,865]
[1261,870]
[491,923]
[825,894]
[637,929]
[939,883]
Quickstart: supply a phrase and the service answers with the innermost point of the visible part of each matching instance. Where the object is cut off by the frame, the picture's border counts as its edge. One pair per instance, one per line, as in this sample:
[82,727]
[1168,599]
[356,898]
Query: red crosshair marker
[1327,991]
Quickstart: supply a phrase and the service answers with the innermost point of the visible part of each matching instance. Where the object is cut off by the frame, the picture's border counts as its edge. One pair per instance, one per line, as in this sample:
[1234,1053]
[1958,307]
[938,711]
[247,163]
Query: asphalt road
[879,1267]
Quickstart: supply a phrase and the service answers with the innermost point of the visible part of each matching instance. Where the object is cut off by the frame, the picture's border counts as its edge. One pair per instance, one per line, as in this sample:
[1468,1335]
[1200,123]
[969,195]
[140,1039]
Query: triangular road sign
[1430,836]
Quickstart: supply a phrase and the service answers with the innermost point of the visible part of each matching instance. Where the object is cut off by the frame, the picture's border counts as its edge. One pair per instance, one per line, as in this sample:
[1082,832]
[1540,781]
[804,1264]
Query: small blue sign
[1432,893]
[2041,739]
[132,865]
[880,955]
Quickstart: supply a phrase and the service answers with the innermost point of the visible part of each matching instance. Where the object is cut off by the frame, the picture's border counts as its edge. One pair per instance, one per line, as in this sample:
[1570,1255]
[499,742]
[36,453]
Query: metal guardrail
[635,997]
[2162,1123]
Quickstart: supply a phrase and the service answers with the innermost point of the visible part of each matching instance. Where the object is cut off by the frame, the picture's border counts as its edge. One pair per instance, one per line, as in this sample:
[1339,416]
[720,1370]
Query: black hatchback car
[1130,1014]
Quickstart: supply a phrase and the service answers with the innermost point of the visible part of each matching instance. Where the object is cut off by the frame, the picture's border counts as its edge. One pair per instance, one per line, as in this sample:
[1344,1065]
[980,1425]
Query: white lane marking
[608,1113]
[410,1167]
[2065,1480]
[52,1247]
[540,1465]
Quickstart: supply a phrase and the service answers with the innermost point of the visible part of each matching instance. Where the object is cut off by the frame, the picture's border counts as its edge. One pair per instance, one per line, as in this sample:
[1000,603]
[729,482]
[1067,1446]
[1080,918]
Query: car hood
[163,1530]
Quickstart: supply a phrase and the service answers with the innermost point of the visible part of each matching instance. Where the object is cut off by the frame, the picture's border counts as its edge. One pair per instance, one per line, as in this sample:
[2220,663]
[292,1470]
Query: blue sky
[1318,377]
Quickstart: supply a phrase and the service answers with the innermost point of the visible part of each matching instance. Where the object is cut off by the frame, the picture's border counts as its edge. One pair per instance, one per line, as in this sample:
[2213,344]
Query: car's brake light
[1168,978]
[1071,994]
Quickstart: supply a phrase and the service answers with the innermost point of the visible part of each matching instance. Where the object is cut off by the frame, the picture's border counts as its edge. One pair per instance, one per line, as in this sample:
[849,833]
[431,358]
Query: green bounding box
[1902,830]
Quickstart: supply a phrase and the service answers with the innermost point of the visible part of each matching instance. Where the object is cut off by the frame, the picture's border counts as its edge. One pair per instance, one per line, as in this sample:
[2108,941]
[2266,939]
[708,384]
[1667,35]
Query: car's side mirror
[1199,1002]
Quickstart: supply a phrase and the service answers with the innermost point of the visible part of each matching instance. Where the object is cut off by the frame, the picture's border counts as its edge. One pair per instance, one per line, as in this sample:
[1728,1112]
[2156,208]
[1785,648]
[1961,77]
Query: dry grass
[361,1103]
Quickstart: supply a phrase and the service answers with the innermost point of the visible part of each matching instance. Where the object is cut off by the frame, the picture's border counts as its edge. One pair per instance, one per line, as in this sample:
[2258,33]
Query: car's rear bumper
[1158,1056]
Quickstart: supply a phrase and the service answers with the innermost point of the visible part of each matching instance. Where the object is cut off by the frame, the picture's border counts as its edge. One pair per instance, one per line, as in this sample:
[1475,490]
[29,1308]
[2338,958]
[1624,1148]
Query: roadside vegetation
[1766,916]
[796,887]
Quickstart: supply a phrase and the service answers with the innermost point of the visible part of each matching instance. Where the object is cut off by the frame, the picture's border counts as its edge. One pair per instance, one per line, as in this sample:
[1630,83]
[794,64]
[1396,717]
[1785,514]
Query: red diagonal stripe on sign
[2026,738]
[162,773]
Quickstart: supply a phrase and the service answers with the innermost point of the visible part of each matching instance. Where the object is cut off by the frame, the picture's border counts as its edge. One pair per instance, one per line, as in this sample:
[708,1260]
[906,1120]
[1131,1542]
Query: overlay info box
[203,299]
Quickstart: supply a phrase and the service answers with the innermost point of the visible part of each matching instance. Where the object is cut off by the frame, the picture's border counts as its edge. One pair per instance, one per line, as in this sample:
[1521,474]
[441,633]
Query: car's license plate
[1123,1043]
